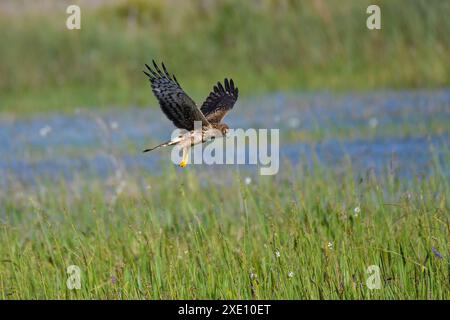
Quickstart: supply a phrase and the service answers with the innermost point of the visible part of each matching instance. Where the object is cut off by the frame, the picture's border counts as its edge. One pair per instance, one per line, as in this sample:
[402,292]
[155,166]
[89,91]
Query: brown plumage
[183,112]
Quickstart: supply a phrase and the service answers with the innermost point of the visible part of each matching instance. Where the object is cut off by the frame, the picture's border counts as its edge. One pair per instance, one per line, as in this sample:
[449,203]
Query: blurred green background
[264,45]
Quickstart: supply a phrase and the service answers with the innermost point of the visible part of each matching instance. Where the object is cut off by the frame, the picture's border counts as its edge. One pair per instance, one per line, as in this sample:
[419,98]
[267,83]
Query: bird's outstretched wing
[174,102]
[220,101]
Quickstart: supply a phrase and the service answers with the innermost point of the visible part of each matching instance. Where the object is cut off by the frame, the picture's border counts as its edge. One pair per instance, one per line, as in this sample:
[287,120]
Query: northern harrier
[183,112]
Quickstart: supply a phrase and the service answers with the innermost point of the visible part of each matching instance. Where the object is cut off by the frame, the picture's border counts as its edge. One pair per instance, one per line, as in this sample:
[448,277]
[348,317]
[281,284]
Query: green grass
[263,45]
[189,237]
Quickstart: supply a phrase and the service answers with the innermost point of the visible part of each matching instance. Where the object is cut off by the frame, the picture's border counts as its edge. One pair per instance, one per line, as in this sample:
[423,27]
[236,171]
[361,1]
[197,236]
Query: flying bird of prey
[183,112]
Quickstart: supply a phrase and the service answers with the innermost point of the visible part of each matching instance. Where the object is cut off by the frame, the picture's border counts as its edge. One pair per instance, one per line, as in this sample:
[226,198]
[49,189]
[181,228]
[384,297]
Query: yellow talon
[185,158]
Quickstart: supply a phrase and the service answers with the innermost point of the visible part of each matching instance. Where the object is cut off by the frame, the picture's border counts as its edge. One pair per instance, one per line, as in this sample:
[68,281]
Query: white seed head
[293,122]
[373,122]
[114,125]
[44,131]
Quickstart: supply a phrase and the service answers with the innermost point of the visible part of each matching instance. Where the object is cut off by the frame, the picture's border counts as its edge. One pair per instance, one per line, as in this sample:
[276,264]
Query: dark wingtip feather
[221,89]
[155,65]
[165,71]
[227,85]
[158,69]
[233,90]
[148,74]
[148,67]
[175,79]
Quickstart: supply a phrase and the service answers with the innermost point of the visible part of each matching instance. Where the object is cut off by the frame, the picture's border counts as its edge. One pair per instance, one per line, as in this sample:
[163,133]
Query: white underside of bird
[189,139]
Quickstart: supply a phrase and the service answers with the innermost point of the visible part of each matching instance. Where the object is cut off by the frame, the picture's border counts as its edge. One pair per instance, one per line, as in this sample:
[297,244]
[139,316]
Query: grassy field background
[264,45]
[308,234]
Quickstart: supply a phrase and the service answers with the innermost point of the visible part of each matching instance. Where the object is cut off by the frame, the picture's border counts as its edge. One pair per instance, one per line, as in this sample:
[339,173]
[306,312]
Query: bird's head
[224,129]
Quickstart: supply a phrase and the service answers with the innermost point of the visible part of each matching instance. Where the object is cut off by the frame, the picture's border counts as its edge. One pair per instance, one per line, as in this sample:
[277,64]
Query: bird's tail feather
[165,144]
